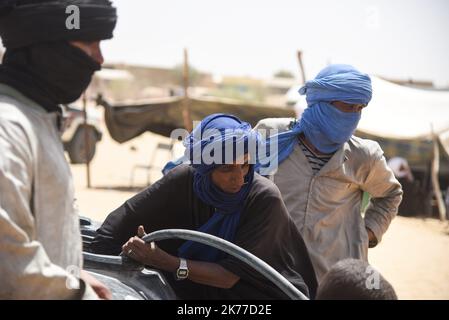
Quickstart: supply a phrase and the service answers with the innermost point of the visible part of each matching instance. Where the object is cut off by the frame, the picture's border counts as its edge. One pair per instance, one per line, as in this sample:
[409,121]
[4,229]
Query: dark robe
[265,229]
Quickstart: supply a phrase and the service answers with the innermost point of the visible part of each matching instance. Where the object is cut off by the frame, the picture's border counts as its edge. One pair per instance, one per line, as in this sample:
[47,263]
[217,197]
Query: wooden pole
[187,119]
[435,182]
[86,140]
[301,67]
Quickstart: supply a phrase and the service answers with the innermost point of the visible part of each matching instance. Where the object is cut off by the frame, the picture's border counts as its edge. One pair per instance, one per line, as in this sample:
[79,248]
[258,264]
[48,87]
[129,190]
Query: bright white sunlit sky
[392,38]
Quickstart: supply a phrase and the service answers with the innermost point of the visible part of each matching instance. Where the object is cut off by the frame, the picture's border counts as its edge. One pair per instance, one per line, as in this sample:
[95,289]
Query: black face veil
[38,60]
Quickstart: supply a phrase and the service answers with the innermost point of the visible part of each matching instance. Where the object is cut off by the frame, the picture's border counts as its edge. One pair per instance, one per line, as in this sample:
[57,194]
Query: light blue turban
[338,82]
[326,127]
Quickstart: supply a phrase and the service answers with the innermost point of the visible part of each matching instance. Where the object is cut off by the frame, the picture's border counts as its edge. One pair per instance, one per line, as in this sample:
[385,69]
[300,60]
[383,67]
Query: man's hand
[100,289]
[149,253]
[207,273]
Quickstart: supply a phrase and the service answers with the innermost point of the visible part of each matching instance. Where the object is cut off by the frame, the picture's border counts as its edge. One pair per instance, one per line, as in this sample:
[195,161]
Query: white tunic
[40,243]
[326,207]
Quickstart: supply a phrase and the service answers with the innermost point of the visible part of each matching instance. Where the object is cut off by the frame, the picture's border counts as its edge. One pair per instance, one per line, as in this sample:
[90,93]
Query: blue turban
[326,127]
[338,82]
[218,132]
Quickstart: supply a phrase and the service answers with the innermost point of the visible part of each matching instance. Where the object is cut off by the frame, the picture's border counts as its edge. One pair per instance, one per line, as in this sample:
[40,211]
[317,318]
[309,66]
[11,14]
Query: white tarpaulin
[113,74]
[405,113]
[400,112]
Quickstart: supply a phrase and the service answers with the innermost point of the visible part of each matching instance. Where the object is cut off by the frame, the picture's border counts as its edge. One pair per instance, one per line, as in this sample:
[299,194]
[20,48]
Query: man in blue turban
[218,193]
[323,169]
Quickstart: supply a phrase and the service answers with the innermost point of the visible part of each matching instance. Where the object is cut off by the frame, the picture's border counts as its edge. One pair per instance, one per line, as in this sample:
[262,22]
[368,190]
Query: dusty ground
[413,255]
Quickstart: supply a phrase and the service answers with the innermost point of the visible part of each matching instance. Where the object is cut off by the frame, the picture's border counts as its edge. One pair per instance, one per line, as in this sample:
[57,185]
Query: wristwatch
[183,271]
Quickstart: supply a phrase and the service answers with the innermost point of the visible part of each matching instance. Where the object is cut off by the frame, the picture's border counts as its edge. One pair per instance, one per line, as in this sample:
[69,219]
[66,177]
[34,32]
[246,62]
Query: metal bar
[301,67]
[86,140]
[187,119]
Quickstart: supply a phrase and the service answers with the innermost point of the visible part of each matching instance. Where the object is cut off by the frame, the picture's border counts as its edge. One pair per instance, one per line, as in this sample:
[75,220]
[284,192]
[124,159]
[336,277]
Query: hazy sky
[393,38]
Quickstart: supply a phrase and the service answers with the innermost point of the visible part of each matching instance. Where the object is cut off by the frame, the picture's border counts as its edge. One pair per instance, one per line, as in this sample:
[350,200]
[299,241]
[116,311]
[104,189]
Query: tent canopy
[399,112]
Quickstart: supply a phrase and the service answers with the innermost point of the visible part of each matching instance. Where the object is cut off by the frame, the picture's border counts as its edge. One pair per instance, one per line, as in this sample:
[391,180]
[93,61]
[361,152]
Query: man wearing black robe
[264,229]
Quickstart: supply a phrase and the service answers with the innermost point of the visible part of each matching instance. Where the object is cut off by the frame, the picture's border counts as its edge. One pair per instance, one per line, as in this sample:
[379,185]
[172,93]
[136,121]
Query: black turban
[27,22]
[39,61]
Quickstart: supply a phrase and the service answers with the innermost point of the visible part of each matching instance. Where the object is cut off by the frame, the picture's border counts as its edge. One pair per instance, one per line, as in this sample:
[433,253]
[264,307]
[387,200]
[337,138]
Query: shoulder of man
[265,201]
[11,110]
[15,123]
[264,187]
[365,149]
[183,171]
[17,109]
[268,126]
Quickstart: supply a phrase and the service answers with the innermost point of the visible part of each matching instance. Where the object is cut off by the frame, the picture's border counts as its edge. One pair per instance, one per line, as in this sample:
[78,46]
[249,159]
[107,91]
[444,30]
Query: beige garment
[40,243]
[326,207]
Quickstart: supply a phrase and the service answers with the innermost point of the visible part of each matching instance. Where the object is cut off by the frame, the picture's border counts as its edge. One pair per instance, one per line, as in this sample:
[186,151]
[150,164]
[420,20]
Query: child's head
[352,279]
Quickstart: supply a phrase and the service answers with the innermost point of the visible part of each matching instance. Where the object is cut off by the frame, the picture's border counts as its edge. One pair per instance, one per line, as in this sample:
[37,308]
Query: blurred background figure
[401,169]
[417,194]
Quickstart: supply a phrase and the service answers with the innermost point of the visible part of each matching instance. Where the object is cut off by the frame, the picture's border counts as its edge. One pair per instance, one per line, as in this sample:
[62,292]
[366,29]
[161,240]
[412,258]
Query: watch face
[182,273]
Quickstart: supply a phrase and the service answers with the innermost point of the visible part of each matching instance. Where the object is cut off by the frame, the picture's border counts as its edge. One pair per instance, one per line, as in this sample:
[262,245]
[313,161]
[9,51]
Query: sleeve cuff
[377,233]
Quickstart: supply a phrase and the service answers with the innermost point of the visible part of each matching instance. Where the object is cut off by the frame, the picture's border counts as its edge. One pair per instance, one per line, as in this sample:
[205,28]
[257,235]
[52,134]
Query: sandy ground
[413,255]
